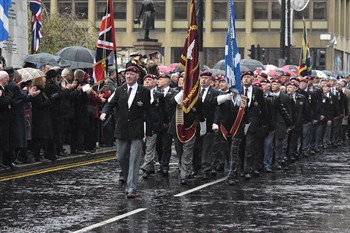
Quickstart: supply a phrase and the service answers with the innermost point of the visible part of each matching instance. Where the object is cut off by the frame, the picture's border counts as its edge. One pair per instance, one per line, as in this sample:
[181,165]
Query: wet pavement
[312,195]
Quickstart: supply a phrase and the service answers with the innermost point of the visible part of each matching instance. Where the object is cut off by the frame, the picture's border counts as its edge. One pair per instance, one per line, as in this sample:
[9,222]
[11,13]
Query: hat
[152,76]
[265,81]
[135,54]
[286,74]
[305,79]
[280,70]
[248,72]
[222,79]
[111,70]
[143,56]
[276,80]
[205,73]
[262,74]
[257,84]
[295,78]
[132,69]
[165,75]
[291,84]
[121,71]
[153,54]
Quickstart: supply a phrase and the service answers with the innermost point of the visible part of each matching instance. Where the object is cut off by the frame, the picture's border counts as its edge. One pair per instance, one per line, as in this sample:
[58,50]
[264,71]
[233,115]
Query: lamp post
[285,33]
[200,33]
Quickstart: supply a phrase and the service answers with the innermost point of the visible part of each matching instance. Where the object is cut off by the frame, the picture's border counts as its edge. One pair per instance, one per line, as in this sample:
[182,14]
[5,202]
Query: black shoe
[232,181]
[3,166]
[256,173]
[268,170]
[122,180]
[205,176]
[183,182]
[247,176]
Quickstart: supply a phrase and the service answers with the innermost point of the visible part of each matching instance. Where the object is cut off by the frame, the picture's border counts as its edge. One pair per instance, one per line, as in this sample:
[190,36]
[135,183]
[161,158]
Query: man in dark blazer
[210,111]
[255,119]
[159,118]
[283,106]
[5,111]
[165,139]
[132,103]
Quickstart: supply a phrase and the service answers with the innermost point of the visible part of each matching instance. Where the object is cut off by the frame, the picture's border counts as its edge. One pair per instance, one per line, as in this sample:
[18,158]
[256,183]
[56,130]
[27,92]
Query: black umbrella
[78,56]
[252,64]
[221,66]
[46,59]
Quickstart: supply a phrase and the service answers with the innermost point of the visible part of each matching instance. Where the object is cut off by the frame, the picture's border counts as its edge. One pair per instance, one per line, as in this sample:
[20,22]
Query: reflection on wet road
[312,195]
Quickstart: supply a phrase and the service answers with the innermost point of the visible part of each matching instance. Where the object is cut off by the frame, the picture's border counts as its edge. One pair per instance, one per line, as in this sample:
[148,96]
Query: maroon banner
[189,62]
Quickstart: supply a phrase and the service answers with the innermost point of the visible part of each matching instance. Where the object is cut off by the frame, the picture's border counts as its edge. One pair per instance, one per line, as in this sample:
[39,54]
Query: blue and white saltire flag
[4,19]
[232,56]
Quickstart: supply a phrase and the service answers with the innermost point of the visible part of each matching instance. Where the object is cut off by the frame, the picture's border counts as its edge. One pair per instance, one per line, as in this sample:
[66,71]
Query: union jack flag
[105,44]
[35,7]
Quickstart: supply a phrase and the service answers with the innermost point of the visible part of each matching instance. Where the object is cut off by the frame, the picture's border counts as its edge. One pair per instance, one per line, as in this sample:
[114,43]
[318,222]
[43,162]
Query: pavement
[68,159]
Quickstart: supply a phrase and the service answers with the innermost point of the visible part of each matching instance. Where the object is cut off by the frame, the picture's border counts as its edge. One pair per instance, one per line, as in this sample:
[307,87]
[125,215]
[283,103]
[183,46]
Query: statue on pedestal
[147,11]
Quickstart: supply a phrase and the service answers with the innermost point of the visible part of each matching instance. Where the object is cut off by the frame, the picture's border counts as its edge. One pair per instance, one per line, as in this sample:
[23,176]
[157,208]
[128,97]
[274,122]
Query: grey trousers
[148,163]
[129,154]
[185,153]
[207,156]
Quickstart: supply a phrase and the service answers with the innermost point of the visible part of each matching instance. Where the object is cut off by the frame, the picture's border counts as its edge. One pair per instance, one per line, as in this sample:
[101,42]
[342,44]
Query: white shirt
[132,94]
[249,94]
[205,93]
[165,90]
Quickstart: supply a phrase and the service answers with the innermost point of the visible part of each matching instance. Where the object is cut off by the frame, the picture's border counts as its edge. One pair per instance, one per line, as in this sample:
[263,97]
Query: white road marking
[110,220]
[200,187]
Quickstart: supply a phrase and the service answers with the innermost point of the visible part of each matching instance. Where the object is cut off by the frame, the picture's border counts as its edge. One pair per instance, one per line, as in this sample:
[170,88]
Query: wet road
[312,195]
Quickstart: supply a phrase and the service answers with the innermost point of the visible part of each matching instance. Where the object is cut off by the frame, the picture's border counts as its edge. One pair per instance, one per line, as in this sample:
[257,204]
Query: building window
[64,7]
[304,13]
[119,9]
[181,10]
[81,9]
[220,10]
[239,10]
[276,11]
[320,10]
[46,6]
[260,10]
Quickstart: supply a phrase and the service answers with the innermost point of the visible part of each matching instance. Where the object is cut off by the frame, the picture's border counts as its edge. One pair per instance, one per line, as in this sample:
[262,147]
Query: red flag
[106,43]
[189,62]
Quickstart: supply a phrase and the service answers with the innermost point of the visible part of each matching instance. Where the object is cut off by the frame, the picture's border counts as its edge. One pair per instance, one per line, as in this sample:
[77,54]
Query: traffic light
[260,53]
[252,52]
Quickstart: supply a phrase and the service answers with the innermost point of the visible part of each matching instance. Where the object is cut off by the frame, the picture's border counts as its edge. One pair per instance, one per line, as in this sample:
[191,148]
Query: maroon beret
[222,79]
[265,81]
[205,73]
[276,80]
[132,69]
[165,75]
[257,84]
[295,78]
[248,72]
[305,79]
[152,76]
[286,74]
[291,84]
[264,75]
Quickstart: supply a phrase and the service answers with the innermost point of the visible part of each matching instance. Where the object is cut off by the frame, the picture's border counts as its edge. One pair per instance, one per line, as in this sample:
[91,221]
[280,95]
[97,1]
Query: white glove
[223,98]
[203,126]
[111,97]
[179,97]
[215,127]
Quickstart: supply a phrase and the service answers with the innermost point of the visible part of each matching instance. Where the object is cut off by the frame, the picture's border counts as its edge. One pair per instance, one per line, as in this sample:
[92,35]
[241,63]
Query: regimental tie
[129,91]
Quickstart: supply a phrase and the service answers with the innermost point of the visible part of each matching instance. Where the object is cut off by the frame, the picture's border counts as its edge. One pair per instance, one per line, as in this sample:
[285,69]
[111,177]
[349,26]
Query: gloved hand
[203,126]
[223,98]
[215,127]
[179,97]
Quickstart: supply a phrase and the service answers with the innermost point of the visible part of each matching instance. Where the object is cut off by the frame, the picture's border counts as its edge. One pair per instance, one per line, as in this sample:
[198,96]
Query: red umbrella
[173,65]
[292,69]
[165,68]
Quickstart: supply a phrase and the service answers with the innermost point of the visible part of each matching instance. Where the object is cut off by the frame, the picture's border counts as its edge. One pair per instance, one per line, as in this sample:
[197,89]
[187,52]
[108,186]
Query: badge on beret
[139,103]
